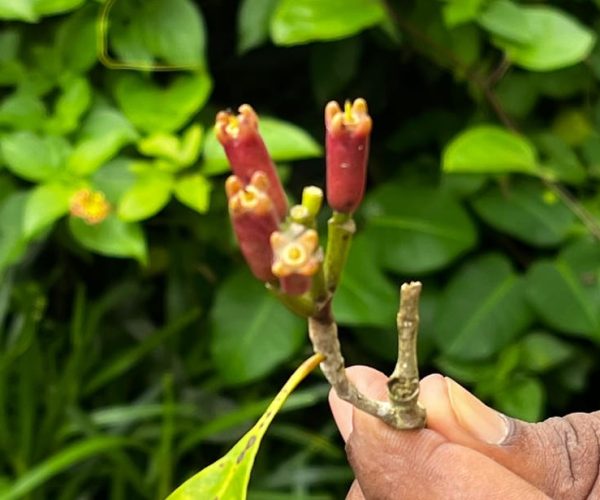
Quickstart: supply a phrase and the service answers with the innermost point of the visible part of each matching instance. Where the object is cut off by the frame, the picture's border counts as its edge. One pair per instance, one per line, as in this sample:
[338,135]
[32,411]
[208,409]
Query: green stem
[341,228]
[319,286]
[299,304]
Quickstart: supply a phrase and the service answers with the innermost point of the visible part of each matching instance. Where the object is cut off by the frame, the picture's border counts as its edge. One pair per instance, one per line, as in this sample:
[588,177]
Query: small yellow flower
[296,251]
[91,206]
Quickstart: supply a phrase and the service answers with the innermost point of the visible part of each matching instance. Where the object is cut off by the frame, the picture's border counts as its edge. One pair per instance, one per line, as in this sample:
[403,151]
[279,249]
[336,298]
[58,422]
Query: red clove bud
[347,144]
[247,152]
[254,220]
[297,258]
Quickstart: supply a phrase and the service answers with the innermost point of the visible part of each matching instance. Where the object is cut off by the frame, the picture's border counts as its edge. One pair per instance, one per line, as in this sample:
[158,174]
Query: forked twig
[402,410]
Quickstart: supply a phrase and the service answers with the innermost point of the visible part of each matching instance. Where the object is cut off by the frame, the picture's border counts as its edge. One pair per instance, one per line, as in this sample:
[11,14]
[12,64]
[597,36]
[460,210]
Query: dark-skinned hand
[468,450]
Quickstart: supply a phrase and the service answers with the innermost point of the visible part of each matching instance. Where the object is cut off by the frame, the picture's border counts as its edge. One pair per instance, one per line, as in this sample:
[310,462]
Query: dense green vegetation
[135,347]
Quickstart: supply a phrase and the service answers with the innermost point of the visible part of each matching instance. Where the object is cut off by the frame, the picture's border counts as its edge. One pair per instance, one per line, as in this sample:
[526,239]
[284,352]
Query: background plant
[136,350]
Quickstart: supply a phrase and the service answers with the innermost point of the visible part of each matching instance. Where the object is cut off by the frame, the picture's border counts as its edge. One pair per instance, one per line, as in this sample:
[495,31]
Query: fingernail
[479,420]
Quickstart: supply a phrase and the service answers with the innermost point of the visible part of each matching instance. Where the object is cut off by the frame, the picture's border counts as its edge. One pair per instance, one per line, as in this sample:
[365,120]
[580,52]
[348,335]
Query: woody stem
[324,337]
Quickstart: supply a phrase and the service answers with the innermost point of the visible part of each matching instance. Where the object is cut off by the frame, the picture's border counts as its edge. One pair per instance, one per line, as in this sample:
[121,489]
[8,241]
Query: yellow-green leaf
[182,152]
[194,191]
[227,478]
[45,204]
[148,195]
[489,149]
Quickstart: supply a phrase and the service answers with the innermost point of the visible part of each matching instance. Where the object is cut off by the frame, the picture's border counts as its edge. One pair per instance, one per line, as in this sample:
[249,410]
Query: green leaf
[416,229]
[12,238]
[194,190]
[158,31]
[153,108]
[147,196]
[561,162]
[365,296]
[539,38]
[518,93]
[46,203]
[191,143]
[573,126]
[463,185]
[7,185]
[161,145]
[507,20]
[302,21]
[70,106]
[76,40]
[522,210]
[590,151]
[66,458]
[48,7]
[252,332]
[541,352]
[483,309]
[228,477]
[284,141]
[523,398]
[34,157]
[466,372]
[457,12]
[103,135]
[20,10]
[182,152]
[254,17]
[564,299]
[22,111]
[112,237]
[115,178]
[583,257]
[488,149]
[563,83]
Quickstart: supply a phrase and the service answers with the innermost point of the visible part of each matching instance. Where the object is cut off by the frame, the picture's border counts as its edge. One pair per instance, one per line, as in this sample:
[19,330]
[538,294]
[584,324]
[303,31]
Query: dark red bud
[247,153]
[347,146]
[254,219]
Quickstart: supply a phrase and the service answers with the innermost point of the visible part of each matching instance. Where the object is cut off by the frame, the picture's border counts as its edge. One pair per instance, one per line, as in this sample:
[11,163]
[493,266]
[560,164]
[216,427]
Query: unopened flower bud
[254,219]
[247,152]
[297,258]
[347,144]
[91,206]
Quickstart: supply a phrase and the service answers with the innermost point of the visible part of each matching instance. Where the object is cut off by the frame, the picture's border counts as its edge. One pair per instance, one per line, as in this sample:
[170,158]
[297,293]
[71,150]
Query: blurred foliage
[135,351]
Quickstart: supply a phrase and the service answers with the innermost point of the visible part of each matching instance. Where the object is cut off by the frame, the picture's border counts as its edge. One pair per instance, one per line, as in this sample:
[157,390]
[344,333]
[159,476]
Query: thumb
[560,456]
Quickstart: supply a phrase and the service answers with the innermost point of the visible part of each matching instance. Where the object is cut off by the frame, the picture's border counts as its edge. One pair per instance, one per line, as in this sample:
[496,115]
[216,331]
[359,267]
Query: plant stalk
[403,384]
[300,304]
[341,228]
[402,411]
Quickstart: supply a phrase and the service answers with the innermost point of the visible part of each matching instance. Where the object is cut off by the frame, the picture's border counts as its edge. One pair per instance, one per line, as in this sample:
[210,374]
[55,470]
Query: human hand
[468,450]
